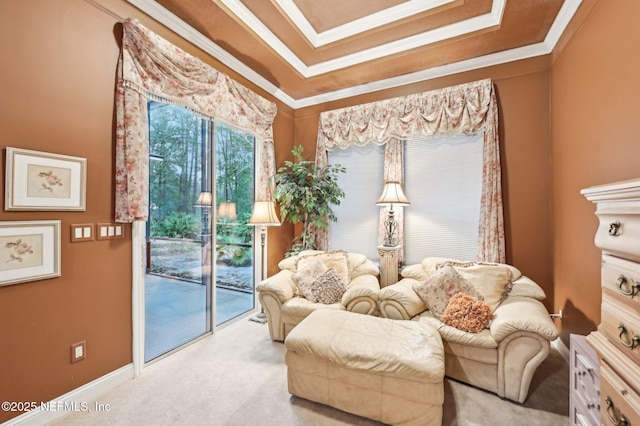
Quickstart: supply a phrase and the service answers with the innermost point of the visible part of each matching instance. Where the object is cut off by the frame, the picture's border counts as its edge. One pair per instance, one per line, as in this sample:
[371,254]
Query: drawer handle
[613,228]
[622,421]
[635,340]
[626,288]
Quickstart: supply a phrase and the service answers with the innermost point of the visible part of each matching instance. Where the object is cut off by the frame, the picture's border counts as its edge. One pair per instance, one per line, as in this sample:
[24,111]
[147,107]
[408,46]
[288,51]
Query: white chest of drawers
[617,340]
[584,401]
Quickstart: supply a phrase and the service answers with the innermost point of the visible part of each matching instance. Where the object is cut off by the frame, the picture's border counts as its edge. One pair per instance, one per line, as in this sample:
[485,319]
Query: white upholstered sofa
[501,358]
[284,306]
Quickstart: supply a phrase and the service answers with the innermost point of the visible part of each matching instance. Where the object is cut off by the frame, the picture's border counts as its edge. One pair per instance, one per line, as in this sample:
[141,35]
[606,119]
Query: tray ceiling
[309,51]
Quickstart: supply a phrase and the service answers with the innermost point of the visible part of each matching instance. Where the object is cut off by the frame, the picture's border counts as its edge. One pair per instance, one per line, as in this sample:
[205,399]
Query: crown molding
[545,47]
[165,17]
[358,26]
[488,20]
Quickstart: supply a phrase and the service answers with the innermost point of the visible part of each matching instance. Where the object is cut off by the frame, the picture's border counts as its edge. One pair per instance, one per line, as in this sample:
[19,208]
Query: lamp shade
[204,200]
[392,194]
[264,213]
[227,209]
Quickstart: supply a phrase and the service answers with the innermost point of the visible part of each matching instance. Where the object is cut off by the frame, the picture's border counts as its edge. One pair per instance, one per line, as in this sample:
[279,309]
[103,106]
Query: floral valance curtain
[152,68]
[467,109]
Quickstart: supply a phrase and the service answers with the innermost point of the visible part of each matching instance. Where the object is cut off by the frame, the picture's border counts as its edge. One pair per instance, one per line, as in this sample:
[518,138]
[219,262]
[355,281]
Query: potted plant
[304,192]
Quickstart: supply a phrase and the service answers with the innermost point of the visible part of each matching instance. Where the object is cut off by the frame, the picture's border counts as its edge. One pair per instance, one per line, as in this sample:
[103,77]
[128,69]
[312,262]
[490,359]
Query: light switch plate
[82,232]
[109,231]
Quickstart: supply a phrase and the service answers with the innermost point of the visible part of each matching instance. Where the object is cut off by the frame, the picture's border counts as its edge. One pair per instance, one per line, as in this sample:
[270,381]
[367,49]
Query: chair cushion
[296,309]
[467,313]
[305,277]
[326,289]
[437,289]
[449,334]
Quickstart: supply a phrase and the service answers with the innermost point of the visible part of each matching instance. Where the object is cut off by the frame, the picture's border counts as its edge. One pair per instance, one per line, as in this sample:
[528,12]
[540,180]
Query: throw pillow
[467,313]
[436,290]
[327,288]
[492,280]
[307,275]
[433,263]
[337,260]
[290,262]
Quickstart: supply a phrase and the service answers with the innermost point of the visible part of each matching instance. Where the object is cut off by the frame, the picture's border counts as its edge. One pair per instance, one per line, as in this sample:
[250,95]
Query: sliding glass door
[235,183]
[201,186]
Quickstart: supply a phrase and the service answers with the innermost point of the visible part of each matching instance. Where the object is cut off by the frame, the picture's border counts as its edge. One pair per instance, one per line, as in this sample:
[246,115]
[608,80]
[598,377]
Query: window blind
[357,227]
[443,182]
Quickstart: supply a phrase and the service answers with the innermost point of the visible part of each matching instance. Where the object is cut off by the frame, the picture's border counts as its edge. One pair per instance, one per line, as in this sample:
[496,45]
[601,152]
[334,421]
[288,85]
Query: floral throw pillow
[436,290]
[308,274]
[327,288]
[467,313]
[493,280]
[338,260]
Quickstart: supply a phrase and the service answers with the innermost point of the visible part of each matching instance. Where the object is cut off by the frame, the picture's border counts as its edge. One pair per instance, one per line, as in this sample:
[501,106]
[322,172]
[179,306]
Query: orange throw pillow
[467,313]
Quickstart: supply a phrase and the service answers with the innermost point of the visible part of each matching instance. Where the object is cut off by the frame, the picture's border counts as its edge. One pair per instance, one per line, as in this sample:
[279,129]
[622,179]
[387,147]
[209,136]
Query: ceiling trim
[358,26]
[172,22]
[471,25]
[568,9]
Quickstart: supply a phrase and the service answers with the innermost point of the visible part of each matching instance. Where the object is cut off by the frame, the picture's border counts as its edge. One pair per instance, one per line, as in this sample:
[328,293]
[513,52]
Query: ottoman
[386,370]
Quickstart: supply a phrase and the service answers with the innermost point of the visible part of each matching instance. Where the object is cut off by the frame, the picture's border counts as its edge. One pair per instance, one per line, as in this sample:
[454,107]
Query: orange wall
[523,95]
[565,125]
[594,115]
[58,67]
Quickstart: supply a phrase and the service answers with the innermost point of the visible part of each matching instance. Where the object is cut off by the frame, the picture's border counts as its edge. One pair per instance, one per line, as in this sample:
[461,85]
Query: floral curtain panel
[152,68]
[467,109]
[393,171]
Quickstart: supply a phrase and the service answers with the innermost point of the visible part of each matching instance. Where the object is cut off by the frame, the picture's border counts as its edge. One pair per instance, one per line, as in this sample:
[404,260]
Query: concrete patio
[176,312]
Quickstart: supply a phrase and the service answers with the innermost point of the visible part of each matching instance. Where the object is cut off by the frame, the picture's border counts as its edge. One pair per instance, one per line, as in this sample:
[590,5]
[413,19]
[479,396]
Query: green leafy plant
[304,192]
[179,225]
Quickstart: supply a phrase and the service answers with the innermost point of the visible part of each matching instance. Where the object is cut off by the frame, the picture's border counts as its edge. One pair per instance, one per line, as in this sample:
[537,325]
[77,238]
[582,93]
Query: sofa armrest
[280,284]
[519,313]
[399,301]
[362,294]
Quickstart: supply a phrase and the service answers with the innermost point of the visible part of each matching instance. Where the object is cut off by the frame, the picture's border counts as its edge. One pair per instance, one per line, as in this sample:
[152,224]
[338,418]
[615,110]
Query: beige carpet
[237,377]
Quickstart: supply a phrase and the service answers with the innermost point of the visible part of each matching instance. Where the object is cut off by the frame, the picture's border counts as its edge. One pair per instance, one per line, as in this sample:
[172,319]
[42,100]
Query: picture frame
[29,251]
[38,180]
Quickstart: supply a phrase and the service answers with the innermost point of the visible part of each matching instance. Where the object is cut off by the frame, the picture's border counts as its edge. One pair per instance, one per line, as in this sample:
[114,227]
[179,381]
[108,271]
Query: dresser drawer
[622,277]
[621,325]
[619,233]
[585,383]
[618,400]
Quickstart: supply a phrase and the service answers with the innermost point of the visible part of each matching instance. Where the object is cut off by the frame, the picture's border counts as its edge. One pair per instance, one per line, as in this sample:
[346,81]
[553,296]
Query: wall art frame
[38,180]
[29,251]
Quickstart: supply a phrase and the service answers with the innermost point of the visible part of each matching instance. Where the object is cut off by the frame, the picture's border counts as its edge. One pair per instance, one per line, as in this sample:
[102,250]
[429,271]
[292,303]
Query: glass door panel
[235,183]
[178,279]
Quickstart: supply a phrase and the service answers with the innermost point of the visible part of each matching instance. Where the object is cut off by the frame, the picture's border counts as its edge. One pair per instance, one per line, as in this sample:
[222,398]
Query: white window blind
[357,227]
[443,182]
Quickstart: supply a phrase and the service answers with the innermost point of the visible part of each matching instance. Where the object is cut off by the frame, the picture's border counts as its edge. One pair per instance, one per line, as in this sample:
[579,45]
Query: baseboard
[79,399]
[562,349]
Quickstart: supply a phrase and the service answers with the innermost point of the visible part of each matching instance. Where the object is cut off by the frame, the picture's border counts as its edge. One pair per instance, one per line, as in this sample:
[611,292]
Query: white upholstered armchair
[501,358]
[284,303]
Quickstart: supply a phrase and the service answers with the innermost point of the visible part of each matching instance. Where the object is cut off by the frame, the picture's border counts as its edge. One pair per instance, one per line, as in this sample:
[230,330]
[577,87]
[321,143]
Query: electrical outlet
[78,351]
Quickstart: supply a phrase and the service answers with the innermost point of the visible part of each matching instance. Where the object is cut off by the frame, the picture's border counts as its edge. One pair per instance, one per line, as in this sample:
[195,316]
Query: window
[443,182]
[358,216]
